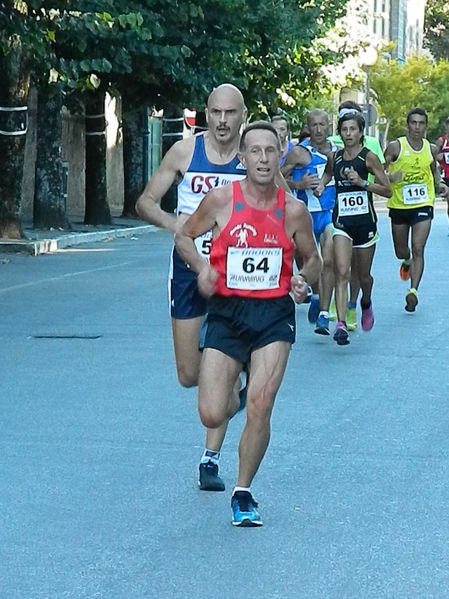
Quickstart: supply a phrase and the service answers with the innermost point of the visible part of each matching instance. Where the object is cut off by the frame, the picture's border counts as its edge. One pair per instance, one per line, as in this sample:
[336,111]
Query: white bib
[253,268]
[446,157]
[415,193]
[203,243]
[352,203]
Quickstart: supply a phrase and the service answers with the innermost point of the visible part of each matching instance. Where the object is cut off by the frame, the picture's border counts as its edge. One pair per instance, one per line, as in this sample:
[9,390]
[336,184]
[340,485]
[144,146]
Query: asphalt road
[99,444]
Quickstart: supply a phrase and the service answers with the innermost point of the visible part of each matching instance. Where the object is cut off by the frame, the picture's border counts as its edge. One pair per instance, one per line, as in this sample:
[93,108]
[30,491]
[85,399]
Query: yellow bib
[416,188]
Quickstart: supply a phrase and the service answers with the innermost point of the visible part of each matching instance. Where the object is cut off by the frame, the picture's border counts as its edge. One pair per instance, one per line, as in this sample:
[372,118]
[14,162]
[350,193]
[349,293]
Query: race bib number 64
[253,268]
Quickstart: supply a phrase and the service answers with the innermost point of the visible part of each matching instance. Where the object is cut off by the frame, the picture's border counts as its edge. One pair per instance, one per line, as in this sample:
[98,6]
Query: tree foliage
[421,83]
[436,28]
[169,54]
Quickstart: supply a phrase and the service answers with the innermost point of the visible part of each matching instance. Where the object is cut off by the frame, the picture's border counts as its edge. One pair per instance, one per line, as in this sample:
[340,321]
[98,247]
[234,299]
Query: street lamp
[368,58]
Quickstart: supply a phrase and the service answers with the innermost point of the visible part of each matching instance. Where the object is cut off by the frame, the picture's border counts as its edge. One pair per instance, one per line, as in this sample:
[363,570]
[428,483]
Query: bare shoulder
[221,195]
[393,149]
[294,209]
[180,154]
[372,158]
[299,155]
[434,149]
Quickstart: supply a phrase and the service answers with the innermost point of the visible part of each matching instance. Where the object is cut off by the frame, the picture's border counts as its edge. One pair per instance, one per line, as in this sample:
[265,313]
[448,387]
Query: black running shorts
[237,326]
[410,216]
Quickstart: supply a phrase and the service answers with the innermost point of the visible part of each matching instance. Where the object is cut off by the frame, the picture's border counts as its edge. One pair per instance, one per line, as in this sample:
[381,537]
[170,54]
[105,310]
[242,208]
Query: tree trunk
[132,159]
[49,200]
[172,130]
[97,207]
[14,78]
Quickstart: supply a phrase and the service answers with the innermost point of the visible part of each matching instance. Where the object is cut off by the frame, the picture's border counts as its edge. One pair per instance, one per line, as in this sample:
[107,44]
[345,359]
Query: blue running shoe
[244,510]
[314,309]
[322,325]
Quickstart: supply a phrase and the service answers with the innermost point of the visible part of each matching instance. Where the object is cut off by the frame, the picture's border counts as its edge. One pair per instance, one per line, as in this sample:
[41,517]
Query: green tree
[421,83]
[387,77]
[436,28]
[165,54]
[434,97]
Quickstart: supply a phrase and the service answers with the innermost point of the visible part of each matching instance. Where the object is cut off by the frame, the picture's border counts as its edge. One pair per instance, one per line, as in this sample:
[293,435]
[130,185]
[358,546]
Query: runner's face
[282,129]
[416,127]
[351,134]
[318,126]
[261,156]
[225,115]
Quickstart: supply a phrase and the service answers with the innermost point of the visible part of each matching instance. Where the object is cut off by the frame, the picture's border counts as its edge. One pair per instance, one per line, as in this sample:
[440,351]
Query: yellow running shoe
[333,310]
[351,318]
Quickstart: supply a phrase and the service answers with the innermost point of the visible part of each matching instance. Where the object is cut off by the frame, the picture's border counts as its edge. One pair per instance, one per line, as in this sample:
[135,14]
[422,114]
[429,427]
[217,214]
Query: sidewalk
[45,241]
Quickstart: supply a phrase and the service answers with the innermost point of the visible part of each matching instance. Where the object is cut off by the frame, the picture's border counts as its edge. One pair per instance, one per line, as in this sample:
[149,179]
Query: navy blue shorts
[237,326]
[185,299]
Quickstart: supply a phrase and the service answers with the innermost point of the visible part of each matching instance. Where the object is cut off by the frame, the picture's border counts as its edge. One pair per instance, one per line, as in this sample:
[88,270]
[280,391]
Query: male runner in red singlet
[251,316]
[442,145]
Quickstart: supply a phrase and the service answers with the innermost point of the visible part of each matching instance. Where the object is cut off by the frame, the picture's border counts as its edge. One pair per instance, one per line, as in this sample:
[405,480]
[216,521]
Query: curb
[36,247]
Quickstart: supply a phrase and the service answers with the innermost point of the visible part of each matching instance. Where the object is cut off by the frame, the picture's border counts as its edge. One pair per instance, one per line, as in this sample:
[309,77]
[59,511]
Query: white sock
[247,489]
[210,455]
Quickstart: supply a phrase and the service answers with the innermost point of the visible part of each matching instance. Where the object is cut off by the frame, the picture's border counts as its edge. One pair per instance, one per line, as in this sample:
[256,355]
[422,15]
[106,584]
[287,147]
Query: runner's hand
[299,288]
[207,279]
[444,191]
[395,177]
[318,191]
[308,181]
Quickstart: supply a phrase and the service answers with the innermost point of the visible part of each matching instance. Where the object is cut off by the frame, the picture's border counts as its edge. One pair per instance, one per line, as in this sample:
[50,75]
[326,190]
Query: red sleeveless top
[253,254]
[445,160]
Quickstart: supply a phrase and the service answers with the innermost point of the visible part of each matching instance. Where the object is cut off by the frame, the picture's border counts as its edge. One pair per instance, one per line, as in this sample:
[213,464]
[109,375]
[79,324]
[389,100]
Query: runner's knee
[211,417]
[187,378]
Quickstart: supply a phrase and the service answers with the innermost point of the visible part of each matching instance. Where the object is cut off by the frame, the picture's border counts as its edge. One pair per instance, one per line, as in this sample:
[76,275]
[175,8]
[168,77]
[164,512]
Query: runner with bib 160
[354,219]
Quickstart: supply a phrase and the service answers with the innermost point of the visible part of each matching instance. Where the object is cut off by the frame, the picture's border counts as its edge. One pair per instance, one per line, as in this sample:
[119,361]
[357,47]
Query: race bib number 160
[253,268]
[352,203]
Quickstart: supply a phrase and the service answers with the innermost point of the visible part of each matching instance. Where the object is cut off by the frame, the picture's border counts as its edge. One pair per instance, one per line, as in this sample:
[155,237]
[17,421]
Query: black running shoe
[244,510]
[209,479]
[341,334]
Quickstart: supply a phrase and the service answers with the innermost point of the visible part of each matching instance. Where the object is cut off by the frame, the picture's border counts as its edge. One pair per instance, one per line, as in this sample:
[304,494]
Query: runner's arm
[327,175]
[148,204]
[440,186]
[439,146]
[392,154]
[202,220]
[381,185]
[306,252]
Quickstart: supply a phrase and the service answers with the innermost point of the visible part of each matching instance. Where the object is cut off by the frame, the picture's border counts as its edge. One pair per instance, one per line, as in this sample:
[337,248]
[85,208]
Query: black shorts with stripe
[237,326]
